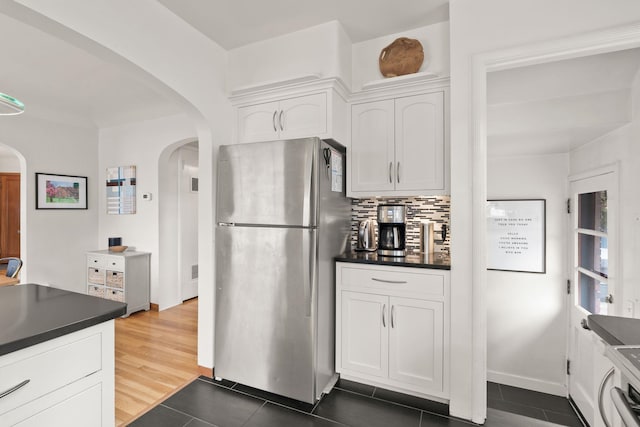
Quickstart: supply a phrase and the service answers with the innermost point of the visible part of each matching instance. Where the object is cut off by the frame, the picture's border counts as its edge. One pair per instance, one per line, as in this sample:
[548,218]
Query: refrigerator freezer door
[267,183]
[265,306]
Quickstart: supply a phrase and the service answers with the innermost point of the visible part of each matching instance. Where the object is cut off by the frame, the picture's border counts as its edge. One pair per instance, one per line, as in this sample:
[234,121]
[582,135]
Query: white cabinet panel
[258,122]
[372,155]
[364,333]
[419,138]
[416,342]
[303,116]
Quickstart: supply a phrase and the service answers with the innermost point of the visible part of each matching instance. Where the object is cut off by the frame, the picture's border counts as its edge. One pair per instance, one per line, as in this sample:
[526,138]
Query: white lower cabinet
[392,327]
[67,381]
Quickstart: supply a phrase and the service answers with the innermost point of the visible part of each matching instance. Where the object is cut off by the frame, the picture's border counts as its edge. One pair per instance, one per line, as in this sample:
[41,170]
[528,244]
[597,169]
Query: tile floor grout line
[188,415]
[254,413]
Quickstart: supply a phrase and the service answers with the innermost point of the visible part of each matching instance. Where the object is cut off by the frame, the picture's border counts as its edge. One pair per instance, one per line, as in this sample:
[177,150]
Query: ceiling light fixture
[10,106]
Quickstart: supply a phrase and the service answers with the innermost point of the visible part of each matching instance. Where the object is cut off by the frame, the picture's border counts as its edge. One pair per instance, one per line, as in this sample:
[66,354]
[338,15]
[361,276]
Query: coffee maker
[391,230]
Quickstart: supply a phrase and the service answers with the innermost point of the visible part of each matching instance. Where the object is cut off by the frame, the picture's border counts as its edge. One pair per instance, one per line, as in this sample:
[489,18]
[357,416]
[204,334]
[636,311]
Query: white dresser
[120,276]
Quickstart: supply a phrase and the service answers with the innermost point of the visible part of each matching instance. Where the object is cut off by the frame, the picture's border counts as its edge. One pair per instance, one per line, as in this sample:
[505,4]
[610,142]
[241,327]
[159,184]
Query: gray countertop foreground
[615,330]
[31,314]
[437,261]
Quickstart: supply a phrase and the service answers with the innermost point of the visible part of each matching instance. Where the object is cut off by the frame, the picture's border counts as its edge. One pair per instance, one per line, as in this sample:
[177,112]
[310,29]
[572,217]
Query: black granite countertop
[436,261]
[31,314]
[615,330]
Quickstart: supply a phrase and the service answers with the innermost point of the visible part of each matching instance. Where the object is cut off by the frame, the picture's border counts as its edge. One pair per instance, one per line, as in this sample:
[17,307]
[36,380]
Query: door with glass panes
[593,259]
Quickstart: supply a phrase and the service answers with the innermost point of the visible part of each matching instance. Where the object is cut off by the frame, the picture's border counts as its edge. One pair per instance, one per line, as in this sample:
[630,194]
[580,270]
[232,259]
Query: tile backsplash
[436,209]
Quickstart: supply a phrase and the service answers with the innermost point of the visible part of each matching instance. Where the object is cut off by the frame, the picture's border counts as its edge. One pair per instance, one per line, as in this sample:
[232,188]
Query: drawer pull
[14,388]
[398,282]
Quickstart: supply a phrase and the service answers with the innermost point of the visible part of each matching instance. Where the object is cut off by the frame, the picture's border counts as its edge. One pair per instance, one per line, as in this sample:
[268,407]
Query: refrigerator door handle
[309,265]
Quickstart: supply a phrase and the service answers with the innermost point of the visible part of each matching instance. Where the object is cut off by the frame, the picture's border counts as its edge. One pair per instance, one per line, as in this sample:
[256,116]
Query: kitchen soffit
[235,23]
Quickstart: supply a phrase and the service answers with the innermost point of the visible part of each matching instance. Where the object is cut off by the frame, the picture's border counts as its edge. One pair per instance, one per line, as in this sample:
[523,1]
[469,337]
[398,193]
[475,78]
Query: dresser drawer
[96,291]
[114,294]
[96,261]
[115,279]
[393,279]
[49,371]
[95,275]
[114,263]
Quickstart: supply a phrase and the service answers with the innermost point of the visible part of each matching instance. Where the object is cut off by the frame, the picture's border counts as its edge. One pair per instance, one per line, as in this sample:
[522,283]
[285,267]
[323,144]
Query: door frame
[602,41]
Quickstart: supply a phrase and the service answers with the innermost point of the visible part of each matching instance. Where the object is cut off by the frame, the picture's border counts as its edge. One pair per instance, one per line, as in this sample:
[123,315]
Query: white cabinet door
[303,116]
[372,147]
[416,342]
[365,319]
[419,142]
[258,122]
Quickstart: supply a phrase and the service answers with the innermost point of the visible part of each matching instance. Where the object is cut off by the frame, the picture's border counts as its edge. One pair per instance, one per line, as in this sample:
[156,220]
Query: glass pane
[593,254]
[592,211]
[592,294]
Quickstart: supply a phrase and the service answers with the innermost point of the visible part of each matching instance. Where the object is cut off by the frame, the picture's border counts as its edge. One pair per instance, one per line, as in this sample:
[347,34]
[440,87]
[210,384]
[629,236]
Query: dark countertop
[435,261]
[31,314]
[615,330]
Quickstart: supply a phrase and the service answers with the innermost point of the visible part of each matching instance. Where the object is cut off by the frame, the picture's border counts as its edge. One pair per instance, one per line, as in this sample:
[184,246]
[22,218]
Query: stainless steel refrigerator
[282,216]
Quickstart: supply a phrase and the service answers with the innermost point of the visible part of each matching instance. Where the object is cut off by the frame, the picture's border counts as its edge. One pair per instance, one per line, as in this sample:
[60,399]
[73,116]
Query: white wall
[477,28]
[192,69]
[54,242]
[9,163]
[141,145]
[435,43]
[526,312]
[323,50]
[621,146]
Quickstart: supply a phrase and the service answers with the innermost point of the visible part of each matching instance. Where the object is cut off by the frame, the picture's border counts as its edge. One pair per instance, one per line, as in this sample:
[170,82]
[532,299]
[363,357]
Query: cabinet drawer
[114,294]
[114,263]
[49,371]
[115,279]
[95,275]
[96,291]
[393,280]
[95,261]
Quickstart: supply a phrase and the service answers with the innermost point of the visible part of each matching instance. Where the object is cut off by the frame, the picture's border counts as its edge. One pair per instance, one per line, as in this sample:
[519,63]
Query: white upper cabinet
[292,111]
[399,147]
[298,117]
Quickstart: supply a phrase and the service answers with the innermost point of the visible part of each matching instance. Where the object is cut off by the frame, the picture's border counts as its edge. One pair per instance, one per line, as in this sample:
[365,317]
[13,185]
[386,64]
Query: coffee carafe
[391,230]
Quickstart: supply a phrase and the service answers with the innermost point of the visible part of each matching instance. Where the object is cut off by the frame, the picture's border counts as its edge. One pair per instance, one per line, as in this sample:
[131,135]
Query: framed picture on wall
[60,191]
[516,235]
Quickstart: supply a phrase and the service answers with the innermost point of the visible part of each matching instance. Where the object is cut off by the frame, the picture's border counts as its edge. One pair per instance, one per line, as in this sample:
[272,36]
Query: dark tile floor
[532,404]
[225,404]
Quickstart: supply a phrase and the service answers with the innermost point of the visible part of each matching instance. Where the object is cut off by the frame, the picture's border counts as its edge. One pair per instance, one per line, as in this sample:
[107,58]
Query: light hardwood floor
[156,355]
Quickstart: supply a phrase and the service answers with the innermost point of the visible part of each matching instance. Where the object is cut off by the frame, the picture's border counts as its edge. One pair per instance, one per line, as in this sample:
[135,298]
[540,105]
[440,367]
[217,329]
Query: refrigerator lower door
[264,318]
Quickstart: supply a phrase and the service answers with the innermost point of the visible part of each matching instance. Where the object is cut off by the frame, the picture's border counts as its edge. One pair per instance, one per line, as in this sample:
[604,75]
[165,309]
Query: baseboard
[527,383]
[207,372]
[154,307]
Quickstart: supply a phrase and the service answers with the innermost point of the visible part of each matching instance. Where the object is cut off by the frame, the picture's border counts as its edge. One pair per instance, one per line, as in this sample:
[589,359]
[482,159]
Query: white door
[372,154]
[416,353]
[365,336]
[303,116]
[593,256]
[419,142]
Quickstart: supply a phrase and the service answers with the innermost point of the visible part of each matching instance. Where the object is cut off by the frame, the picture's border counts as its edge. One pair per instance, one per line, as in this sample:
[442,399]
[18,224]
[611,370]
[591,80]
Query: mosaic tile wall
[436,209]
